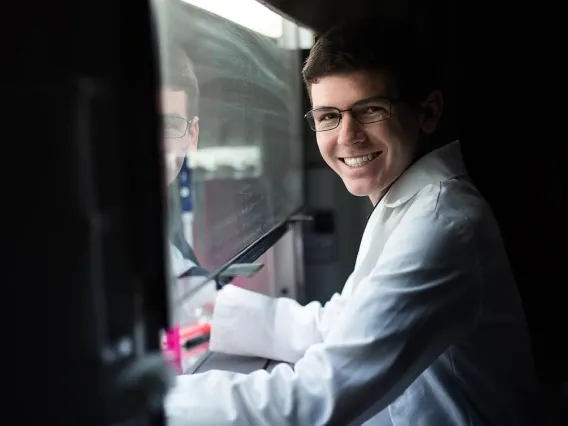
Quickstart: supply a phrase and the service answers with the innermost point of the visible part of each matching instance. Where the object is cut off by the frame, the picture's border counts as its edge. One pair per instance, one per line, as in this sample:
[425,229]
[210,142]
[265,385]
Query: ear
[432,109]
[194,134]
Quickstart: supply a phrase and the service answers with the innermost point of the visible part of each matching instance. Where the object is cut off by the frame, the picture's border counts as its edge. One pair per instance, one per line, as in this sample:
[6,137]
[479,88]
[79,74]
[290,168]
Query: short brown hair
[377,44]
[179,74]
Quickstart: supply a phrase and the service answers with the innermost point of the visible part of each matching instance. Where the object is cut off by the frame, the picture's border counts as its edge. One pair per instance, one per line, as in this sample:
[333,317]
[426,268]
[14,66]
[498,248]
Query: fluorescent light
[305,38]
[248,13]
[245,160]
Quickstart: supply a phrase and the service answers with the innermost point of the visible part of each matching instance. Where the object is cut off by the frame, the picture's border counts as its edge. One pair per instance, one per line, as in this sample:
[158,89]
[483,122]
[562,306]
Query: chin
[357,190]
[174,171]
[172,175]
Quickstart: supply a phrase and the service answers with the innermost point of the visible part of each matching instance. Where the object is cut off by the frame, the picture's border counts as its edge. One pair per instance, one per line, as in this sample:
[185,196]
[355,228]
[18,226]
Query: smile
[360,161]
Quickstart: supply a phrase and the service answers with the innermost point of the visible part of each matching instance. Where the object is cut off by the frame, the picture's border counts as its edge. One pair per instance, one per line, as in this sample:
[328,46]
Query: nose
[350,130]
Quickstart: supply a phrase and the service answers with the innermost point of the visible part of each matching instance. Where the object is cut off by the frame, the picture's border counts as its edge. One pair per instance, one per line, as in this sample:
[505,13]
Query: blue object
[185,188]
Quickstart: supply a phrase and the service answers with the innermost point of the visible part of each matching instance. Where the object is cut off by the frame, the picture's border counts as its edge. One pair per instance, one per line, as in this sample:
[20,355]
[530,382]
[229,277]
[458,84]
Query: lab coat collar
[436,166]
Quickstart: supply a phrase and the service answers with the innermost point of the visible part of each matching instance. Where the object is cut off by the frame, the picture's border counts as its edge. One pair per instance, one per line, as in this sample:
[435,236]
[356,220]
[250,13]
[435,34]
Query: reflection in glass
[246,170]
[230,102]
[175,127]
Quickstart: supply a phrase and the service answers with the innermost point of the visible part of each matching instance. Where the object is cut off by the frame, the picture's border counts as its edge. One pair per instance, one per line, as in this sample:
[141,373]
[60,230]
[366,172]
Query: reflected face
[180,133]
[368,157]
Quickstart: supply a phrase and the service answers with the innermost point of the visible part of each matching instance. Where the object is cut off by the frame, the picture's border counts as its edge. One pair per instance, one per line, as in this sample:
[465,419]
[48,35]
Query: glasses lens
[174,127]
[323,119]
[372,111]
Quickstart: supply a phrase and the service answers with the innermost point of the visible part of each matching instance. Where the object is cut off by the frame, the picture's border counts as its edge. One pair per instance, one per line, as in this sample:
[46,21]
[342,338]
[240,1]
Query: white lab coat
[178,263]
[428,326]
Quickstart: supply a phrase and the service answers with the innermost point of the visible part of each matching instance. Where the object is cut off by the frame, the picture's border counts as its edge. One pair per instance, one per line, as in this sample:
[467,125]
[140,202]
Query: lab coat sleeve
[180,264]
[423,296]
[252,324]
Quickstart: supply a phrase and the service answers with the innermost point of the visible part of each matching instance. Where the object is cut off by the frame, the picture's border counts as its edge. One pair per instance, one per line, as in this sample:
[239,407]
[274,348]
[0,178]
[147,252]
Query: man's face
[180,132]
[368,157]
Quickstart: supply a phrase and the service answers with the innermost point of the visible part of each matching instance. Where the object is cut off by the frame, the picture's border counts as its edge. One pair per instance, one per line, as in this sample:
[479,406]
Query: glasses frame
[309,115]
[187,126]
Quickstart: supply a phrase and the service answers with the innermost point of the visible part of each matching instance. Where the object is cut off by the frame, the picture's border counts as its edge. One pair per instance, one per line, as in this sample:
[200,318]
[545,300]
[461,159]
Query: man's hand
[209,307]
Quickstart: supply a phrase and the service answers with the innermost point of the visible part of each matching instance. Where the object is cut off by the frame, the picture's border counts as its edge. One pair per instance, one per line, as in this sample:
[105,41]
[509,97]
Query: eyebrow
[360,101]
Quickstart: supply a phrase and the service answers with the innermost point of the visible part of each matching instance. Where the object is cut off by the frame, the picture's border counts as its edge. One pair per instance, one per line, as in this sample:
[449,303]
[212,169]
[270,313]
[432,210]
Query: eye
[374,110]
[328,116]
[323,115]
[172,122]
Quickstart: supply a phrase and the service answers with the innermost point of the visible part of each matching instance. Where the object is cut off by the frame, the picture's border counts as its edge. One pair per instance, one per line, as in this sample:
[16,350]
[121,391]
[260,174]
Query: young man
[179,102]
[429,328]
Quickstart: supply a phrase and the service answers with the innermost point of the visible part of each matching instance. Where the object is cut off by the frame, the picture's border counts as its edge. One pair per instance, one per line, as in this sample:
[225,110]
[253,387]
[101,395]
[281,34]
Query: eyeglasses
[365,112]
[175,127]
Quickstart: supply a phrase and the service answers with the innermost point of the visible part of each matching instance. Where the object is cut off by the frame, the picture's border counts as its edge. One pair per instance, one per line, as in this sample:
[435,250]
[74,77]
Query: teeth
[359,161]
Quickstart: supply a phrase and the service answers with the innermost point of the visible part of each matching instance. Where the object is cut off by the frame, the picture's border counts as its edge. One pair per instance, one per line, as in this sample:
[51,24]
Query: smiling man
[429,329]
[179,104]
[367,155]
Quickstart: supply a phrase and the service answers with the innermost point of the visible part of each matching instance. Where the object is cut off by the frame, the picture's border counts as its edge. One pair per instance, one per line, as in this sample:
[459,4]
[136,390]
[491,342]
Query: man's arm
[252,324]
[423,296]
